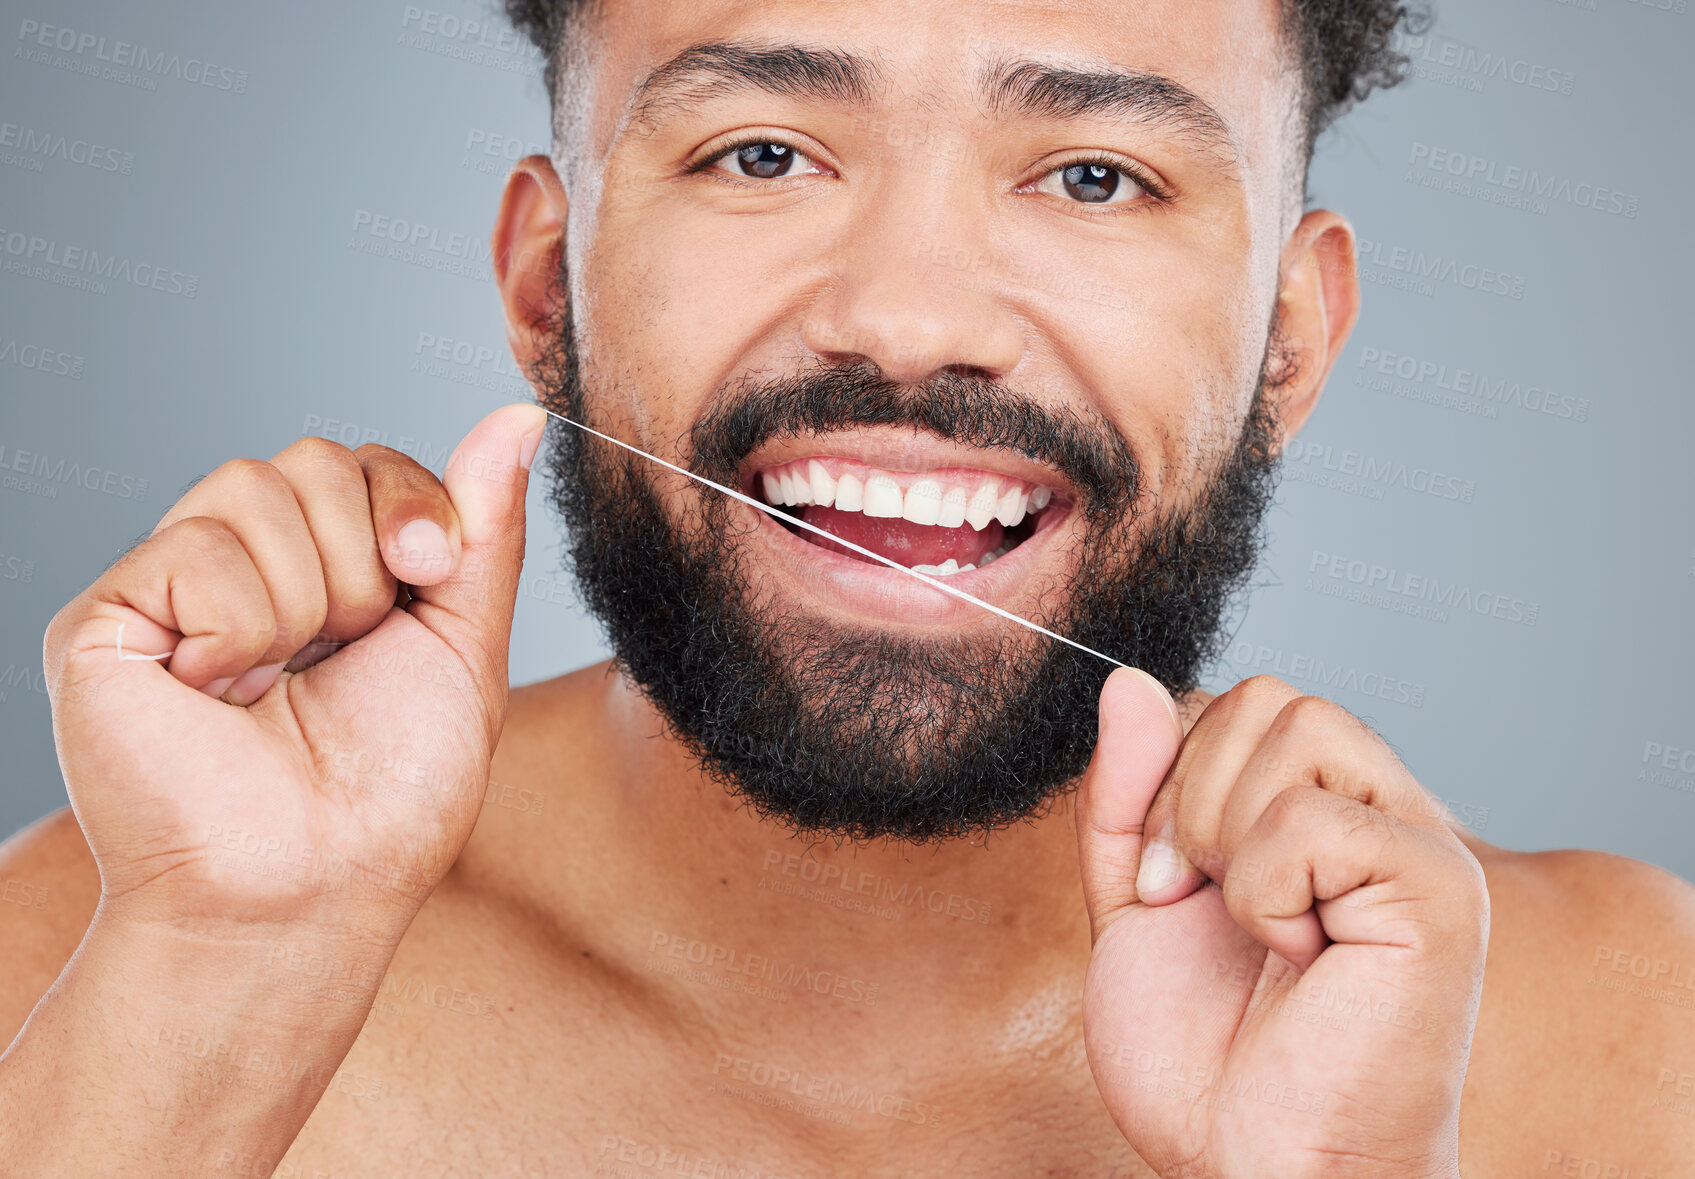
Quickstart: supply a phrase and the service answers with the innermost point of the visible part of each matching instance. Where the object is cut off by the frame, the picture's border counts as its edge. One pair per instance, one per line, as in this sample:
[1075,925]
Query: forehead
[938,58]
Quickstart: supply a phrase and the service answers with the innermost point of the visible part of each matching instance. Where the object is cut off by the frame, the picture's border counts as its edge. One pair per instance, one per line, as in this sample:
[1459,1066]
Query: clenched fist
[1289,941]
[313,751]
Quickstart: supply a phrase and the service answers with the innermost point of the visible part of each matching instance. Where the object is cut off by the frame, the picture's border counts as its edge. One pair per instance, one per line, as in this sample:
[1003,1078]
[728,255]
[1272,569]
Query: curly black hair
[1345,47]
[1346,51]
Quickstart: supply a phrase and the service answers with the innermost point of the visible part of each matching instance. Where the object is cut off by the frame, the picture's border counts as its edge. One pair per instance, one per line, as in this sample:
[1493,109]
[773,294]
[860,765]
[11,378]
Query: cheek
[676,309]
[1167,342]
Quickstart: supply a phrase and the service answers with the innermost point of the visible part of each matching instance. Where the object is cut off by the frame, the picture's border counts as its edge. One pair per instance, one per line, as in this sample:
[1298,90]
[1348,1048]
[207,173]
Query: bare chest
[480,1061]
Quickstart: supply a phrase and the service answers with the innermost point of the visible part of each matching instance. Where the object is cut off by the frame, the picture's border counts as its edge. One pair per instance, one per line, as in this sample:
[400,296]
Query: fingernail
[216,687]
[252,684]
[1170,705]
[1161,866]
[527,449]
[423,545]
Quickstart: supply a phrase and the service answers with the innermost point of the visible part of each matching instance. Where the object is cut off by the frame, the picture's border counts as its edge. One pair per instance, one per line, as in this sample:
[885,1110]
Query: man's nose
[915,290]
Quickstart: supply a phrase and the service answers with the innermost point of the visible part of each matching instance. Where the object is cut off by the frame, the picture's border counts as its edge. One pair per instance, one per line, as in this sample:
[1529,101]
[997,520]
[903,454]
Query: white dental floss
[784,517]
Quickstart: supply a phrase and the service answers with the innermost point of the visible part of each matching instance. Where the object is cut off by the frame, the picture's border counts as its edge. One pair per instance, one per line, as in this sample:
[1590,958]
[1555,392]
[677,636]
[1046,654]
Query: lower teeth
[951,566]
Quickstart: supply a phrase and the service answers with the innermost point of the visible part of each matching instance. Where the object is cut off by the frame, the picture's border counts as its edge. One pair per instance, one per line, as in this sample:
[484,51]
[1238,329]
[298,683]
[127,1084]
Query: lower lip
[868,590]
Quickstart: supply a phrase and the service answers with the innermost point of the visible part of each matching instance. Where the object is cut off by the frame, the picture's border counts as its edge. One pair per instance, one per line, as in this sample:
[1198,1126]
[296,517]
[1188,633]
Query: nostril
[970,372]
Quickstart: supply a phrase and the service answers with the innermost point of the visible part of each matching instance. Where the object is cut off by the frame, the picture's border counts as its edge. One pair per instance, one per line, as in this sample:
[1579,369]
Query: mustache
[972,410]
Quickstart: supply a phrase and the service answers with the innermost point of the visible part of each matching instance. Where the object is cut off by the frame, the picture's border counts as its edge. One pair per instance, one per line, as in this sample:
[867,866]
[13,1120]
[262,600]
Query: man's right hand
[331,795]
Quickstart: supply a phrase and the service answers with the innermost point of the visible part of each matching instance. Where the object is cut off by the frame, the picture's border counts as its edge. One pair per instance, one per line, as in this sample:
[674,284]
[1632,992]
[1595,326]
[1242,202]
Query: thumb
[486,477]
[1140,734]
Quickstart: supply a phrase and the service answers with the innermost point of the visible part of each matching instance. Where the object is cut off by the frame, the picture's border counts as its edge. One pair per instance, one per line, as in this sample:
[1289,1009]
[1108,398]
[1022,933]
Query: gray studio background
[1484,543]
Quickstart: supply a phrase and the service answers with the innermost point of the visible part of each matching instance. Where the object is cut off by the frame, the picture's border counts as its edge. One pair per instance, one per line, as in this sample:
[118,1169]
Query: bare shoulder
[549,724]
[1584,1056]
[49,889]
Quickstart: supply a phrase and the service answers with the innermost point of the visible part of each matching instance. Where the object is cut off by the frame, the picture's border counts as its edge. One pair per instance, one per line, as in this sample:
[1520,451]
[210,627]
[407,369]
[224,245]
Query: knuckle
[250,474]
[206,536]
[209,543]
[375,450]
[376,454]
[1256,694]
[332,471]
[1308,709]
[1318,723]
[1309,714]
[318,450]
[1262,688]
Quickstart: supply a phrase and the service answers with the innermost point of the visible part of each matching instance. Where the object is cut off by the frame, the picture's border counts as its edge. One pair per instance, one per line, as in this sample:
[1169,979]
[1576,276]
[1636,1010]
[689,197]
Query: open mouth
[940,522]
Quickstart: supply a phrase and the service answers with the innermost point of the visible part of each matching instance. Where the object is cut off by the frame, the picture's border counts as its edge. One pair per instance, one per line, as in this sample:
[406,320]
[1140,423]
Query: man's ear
[529,232]
[1317,305]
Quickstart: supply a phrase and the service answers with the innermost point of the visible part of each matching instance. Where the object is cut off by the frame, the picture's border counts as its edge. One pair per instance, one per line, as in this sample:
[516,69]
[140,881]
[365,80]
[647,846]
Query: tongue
[902,540]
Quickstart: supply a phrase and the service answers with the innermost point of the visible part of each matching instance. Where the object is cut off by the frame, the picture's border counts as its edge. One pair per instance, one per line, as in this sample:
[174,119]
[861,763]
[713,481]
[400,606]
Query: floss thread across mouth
[785,518]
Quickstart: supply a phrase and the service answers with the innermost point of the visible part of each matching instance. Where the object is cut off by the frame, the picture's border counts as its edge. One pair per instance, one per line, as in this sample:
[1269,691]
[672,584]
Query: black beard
[861,733]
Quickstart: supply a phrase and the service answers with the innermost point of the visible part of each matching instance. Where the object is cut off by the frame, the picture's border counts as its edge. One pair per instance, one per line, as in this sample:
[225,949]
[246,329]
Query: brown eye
[1092,183]
[766,160]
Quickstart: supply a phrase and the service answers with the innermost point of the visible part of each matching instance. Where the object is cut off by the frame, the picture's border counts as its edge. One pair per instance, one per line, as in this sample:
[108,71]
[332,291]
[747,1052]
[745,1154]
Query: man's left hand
[1290,987]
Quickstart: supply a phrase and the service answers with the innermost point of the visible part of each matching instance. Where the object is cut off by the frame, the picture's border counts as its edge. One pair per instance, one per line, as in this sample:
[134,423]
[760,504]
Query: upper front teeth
[850,494]
[882,495]
[981,509]
[797,491]
[931,501]
[823,483]
[1009,509]
[952,512]
[923,503]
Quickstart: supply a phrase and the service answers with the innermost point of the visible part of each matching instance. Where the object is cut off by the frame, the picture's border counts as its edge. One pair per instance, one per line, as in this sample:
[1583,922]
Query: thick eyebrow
[713,68]
[1009,88]
[1045,90]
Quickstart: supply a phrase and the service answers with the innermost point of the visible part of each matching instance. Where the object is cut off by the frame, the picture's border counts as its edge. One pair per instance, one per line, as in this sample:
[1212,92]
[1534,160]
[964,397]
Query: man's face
[1012,262]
